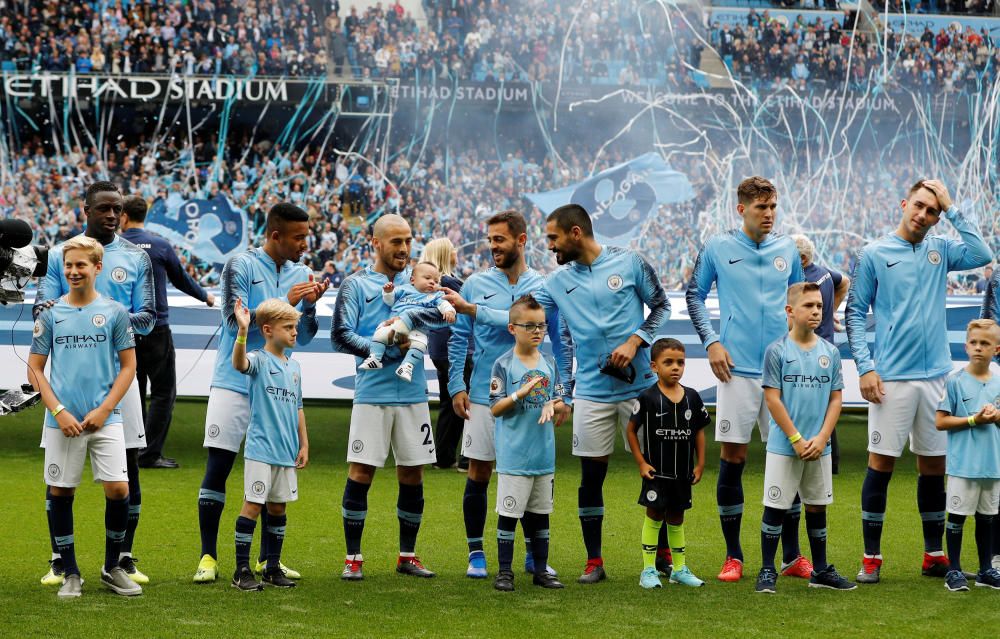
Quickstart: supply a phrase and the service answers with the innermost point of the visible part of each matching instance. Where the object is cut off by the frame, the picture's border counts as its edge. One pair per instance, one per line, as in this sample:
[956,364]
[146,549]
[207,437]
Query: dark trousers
[156,364]
[448,434]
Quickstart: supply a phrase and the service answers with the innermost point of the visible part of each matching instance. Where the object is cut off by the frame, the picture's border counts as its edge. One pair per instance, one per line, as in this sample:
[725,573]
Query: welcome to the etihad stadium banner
[514,96]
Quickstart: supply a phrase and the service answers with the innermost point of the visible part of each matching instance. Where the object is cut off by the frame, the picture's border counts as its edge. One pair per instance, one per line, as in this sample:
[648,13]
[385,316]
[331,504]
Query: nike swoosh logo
[143,436]
[662,414]
[294,491]
[255,282]
[275,372]
[965,399]
[790,361]
[570,290]
[735,261]
[369,300]
[888,265]
[486,297]
[60,321]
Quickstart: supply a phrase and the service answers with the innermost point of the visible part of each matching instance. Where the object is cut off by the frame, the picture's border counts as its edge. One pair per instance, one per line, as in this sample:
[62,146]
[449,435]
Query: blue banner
[214,230]
[621,199]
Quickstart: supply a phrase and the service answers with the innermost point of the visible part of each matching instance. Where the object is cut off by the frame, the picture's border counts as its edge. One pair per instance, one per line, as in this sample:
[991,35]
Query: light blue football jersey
[491,289]
[253,277]
[906,286]
[82,345]
[974,452]
[523,446]
[602,304]
[806,378]
[752,280]
[358,312]
[275,390]
[126,276]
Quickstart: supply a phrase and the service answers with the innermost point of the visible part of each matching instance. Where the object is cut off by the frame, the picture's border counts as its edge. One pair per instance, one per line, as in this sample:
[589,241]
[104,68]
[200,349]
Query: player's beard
[566,255]
[506,259]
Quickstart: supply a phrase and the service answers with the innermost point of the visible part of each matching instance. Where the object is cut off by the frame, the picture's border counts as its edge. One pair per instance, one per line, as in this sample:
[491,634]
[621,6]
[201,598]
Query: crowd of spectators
[211,37]
[450,198]
[609,42]
[627,43]
[813,53]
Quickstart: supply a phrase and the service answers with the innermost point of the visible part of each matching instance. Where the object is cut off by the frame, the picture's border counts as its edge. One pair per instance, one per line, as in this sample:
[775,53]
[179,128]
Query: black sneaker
[243,580]
[955,581]
[830,578]
[276,577]
[546,580]
[989,578]
[767,581]
[504,581]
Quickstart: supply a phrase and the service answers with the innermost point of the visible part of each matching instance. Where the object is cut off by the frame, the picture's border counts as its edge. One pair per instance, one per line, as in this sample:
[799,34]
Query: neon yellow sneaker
[208,570]
[259,567]
[127,564]
[55,575]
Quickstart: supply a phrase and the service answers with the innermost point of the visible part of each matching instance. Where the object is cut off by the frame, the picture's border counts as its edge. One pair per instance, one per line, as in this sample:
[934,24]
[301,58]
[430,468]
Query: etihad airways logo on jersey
[281,394]
[806,380]
[673,433]
[81,341]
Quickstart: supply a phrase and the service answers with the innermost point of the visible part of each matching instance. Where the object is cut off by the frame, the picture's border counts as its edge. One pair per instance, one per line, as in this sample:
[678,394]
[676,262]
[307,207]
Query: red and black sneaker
[410,565]
[935,565]
[593,572]
[352,570]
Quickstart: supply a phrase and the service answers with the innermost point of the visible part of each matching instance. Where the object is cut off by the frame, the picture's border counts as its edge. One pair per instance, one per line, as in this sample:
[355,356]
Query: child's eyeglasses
[534,328]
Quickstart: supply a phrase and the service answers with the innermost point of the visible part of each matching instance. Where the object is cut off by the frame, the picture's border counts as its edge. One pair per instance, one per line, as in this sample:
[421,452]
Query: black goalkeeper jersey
[667,430]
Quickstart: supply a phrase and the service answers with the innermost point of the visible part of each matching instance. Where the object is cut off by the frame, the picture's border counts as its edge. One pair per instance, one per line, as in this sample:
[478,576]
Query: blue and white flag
[214,230]
[622,198]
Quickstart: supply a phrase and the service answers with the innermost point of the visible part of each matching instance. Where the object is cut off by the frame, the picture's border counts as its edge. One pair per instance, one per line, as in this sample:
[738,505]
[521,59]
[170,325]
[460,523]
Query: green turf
[452,605]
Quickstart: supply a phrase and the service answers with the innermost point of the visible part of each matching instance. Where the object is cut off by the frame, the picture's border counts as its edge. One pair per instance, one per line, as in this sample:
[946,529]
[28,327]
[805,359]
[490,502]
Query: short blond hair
[805,246]
[276,310]
[797,290]
[438,252]
[90,247]
[987,325]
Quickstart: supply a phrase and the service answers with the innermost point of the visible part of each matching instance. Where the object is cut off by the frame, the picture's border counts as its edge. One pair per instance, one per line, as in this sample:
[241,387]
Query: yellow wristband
[972,420]
[60,408]
[794,438]
[241,339]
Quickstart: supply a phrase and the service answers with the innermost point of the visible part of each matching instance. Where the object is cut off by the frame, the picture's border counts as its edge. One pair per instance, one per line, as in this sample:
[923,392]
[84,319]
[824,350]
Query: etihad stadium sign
[153,88]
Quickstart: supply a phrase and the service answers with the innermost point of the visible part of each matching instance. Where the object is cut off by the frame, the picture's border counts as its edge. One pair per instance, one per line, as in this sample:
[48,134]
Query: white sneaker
[118,580]
[370,364]
[71,587]
[405,371]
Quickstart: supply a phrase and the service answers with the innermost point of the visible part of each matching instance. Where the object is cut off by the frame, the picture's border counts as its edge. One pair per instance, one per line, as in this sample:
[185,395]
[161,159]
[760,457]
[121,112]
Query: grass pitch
[386,604]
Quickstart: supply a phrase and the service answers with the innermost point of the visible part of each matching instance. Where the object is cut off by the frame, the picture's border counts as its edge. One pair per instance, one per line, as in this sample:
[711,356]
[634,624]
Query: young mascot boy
[802,387]
[277,443]
[969,413]
[666,435]
[82,333]
[524,393]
